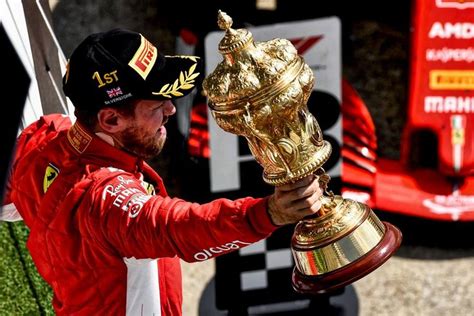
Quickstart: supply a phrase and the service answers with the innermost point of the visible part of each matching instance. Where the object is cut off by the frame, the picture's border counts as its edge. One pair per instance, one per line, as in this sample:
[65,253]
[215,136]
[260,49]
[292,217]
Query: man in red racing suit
[103,231]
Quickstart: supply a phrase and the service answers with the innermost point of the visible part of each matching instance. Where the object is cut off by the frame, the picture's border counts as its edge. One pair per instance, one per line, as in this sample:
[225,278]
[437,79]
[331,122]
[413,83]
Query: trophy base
[352,272]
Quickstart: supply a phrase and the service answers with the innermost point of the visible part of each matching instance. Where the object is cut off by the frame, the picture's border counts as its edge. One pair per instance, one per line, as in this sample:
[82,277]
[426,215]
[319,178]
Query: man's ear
[110,120]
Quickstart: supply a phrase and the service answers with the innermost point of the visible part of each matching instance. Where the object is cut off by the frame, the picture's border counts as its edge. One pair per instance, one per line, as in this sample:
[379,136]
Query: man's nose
[169,108]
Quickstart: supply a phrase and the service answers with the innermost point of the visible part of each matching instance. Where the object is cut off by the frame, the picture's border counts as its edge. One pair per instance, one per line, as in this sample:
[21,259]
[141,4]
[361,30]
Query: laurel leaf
[187,86]
[193,76]
[164,88]
[192,68]
[175,85]
[184,82]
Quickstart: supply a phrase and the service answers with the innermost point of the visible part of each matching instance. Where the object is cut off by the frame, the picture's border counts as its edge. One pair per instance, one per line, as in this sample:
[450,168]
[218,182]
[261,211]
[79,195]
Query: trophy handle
[327,204]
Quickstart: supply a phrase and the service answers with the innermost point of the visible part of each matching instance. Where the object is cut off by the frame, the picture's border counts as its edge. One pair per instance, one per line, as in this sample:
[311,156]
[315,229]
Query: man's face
[145,135]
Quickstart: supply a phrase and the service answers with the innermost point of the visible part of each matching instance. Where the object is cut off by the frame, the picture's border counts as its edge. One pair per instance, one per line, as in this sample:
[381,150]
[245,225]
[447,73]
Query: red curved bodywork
[435,176]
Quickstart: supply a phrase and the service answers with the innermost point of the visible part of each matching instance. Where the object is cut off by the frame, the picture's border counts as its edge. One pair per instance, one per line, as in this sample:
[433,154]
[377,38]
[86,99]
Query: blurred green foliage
[22,290]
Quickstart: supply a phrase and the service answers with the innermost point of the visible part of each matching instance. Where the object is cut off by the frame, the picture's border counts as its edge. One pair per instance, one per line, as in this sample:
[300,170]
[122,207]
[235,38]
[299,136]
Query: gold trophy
[260,91]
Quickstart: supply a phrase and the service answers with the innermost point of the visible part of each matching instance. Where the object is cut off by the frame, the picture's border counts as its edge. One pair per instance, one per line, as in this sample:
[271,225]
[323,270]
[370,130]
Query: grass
[22,290]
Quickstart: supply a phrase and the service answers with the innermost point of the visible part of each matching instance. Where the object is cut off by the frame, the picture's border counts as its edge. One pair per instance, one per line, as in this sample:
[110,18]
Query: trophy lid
[250,72]
[233,39]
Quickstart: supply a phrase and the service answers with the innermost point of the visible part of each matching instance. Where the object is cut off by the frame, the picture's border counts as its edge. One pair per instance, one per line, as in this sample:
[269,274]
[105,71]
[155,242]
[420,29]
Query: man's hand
[292,202]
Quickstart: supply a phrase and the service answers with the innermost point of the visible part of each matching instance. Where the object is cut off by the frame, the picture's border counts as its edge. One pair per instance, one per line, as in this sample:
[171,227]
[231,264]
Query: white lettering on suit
[128,199]
[209,253]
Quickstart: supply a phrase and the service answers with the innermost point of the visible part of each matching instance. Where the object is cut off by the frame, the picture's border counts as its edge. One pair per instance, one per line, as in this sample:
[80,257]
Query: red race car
[435,176]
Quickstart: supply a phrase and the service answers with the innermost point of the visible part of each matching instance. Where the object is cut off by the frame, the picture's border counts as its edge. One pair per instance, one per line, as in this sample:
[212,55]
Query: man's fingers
[307,211]
[302,196]
[304,192]
[298,184]
[312,202]
[297,200]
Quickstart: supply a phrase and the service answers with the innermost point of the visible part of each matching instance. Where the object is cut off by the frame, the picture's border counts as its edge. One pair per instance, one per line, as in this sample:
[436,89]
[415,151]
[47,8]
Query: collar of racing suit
[90,147]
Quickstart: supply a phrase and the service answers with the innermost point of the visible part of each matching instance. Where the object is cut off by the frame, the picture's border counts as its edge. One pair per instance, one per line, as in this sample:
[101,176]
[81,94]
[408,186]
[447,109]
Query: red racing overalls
[103,231]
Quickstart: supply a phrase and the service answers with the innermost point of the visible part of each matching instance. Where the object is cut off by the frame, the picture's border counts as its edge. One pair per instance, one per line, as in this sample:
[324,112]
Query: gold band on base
[332,281]
[341,252]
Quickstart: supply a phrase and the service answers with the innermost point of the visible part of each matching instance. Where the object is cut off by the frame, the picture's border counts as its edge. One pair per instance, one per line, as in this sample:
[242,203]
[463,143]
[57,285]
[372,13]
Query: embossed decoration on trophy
[260,91]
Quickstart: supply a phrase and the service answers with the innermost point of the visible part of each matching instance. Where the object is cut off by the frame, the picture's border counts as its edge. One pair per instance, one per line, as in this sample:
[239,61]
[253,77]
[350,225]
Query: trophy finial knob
[233,40]
[223,20]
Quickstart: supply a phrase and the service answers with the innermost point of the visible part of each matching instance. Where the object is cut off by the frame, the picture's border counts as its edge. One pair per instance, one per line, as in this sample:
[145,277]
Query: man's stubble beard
[143,146]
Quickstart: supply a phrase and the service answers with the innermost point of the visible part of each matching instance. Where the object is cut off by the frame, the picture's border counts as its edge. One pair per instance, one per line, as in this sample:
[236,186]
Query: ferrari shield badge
[49,176]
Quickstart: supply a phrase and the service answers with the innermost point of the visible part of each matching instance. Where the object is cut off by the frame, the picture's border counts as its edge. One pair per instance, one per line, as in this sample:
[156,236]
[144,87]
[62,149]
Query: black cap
[109,68]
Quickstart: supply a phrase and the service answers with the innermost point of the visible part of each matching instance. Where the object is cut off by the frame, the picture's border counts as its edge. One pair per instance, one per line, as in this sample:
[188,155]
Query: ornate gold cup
[260,91]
